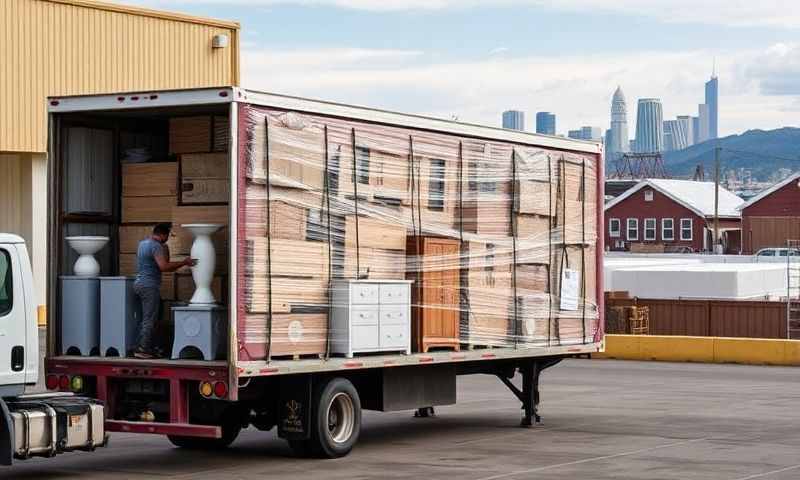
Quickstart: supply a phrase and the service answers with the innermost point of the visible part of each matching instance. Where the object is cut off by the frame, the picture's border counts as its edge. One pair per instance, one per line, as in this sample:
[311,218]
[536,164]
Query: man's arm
[162,259]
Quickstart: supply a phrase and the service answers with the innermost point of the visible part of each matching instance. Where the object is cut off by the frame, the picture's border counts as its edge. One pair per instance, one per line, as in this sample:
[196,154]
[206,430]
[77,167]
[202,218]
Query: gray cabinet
[371,316]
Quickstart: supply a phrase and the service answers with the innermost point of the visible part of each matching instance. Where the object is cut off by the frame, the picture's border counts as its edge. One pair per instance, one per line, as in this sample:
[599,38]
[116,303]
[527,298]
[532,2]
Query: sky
[473,59]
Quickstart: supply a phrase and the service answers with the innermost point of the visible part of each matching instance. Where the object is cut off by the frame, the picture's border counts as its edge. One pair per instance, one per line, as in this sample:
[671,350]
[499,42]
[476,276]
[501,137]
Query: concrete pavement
[604,419]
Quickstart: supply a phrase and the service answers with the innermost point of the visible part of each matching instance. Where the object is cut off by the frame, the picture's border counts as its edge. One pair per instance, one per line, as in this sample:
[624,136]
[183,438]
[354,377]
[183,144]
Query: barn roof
[696,196]
[769,191]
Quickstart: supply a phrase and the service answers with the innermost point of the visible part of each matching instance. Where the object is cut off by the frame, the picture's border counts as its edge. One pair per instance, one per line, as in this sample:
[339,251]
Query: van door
[12,324]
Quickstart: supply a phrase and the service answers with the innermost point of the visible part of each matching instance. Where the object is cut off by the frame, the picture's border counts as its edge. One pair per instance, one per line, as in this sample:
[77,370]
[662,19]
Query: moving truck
[348,258]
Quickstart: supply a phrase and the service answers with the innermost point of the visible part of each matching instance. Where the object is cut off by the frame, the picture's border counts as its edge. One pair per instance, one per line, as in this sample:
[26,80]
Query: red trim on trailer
[425,359]
[353,365]
[100,368]
[488,355]
[178,402]
[183,429]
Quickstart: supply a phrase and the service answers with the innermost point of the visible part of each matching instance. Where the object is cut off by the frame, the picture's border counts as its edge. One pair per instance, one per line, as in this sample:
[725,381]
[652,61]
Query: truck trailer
[348,258]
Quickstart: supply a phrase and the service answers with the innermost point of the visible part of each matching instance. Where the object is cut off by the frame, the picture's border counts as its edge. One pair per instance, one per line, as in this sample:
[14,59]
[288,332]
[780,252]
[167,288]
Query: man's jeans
[151,304]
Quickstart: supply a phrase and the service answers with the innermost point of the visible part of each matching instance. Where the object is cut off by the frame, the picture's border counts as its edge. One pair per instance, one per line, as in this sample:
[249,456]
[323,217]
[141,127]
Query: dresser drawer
[394,336]
[398,294]
[394,315]
[364,315]
[364,293]
[365,337]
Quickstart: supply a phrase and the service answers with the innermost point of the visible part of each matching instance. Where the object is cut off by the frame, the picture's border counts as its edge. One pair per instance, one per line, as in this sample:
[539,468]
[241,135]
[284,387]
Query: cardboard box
[222,133]
[296,155]
[149,210]
[149,179]
[205,190]
[375,263]
[296,258]
[190,134]
[205,165]
[288,293]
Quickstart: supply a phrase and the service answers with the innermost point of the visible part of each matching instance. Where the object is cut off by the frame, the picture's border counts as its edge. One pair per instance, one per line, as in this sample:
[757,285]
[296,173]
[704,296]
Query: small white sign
[295,331]
[570,289]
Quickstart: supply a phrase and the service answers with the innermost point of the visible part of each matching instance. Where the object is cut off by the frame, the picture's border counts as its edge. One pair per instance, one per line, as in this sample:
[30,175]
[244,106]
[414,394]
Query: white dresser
[371,316]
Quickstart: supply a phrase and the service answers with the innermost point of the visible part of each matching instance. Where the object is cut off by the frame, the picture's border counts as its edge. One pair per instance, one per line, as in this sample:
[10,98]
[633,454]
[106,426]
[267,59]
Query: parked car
[778,252]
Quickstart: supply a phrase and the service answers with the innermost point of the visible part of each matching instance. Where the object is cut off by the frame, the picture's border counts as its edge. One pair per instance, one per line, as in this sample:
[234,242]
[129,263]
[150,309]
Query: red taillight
[220,389]
[223,94]
[120,99]
[51,382]
[63,382]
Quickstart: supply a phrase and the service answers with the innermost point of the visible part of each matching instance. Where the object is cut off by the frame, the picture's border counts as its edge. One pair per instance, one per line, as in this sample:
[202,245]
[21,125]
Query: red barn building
[772,217]
[660,214]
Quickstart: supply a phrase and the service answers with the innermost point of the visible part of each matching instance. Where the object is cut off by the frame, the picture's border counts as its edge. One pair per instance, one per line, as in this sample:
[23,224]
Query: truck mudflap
[6,435]
[44,427]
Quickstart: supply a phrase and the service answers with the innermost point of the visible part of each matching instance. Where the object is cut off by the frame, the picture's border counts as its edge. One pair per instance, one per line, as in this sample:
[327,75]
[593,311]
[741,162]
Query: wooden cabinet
[434,267]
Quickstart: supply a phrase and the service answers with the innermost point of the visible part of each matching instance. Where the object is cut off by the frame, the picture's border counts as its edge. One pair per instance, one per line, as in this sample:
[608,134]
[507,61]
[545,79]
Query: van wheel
[335,419]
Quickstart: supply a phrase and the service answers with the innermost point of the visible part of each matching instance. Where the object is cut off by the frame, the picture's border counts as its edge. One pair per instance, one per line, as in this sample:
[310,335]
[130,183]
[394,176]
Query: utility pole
[716,198]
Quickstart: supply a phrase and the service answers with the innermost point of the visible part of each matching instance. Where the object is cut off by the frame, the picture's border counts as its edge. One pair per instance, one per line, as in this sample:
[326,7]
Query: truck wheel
[335,419]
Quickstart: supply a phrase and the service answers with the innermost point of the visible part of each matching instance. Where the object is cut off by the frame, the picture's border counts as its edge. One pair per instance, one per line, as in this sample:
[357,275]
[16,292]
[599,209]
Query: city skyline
[416,56]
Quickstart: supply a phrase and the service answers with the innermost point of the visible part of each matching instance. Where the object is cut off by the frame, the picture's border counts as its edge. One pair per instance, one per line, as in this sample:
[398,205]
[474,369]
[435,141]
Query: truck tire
[335,419]
[231,426]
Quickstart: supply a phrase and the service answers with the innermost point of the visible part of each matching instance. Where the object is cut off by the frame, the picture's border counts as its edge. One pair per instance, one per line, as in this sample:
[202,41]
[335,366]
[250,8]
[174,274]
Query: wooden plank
[296,157]
[296,258]
[287,292]
[148,210]
[375,263]
[149,179]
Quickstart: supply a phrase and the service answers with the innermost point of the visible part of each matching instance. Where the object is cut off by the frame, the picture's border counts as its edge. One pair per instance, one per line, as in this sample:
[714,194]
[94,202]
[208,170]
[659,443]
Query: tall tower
[618,141]
[546,123]
[514,120]
[649,126]
[712,101]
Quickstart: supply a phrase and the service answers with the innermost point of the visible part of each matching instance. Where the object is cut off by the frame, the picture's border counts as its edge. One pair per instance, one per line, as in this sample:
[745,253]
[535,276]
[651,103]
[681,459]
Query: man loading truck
[152,259]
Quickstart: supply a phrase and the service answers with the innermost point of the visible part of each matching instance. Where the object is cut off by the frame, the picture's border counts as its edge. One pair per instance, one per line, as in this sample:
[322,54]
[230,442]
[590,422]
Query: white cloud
[577,88]
[775,13]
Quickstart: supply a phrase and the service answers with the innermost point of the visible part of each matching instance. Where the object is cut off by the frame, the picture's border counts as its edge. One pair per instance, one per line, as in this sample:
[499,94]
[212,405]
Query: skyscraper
[688,128]
[703,123]
[675,135]
[618,143]
[586,133]
[546,123]
[696,130]
[514,120]
[712,100]
[649,126]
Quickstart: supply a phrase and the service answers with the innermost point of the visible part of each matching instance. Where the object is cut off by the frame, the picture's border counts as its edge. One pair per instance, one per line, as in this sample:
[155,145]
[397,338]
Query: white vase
[86,265]
[203,252]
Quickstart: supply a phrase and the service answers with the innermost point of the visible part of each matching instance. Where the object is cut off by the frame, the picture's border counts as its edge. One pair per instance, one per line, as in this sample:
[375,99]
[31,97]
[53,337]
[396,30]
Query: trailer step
[159,428]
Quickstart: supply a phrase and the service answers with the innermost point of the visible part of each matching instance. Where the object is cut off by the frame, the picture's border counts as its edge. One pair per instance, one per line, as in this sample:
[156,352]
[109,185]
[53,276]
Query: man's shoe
[143,354]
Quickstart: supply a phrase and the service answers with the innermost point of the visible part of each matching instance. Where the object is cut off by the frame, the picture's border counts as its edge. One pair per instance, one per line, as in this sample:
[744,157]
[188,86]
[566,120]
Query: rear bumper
[181,429]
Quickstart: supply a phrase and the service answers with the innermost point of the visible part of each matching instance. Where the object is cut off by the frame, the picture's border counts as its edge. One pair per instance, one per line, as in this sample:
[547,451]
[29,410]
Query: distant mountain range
[763,152]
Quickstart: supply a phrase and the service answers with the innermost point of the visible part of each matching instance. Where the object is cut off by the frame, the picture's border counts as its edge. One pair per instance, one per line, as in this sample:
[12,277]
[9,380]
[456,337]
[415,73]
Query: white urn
[203,252]
[86,265]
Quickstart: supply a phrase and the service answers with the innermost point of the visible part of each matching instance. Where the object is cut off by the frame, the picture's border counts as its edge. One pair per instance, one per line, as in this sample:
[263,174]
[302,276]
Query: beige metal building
[71,47]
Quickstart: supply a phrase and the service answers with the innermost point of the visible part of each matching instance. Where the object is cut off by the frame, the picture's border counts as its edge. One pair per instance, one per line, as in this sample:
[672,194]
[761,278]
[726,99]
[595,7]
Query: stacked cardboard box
[204,178]
[149,191]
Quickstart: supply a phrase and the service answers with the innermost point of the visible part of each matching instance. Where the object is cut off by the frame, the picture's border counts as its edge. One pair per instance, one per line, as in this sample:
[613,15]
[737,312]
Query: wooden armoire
[434,267]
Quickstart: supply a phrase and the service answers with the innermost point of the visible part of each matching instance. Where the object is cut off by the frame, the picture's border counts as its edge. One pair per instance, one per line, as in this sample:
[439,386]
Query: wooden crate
[375,233]
[149,210]
[295,334]
[375,263]
[190,134]
[287,293]
[149,179]
[296,258]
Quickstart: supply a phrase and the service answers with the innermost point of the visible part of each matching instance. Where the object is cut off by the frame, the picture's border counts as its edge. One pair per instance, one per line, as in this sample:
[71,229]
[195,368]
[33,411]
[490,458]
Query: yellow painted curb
[41,315]
[750,351]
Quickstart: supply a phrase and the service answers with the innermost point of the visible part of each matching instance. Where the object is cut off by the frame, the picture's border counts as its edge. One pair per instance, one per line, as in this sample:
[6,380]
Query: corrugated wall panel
[58,48]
